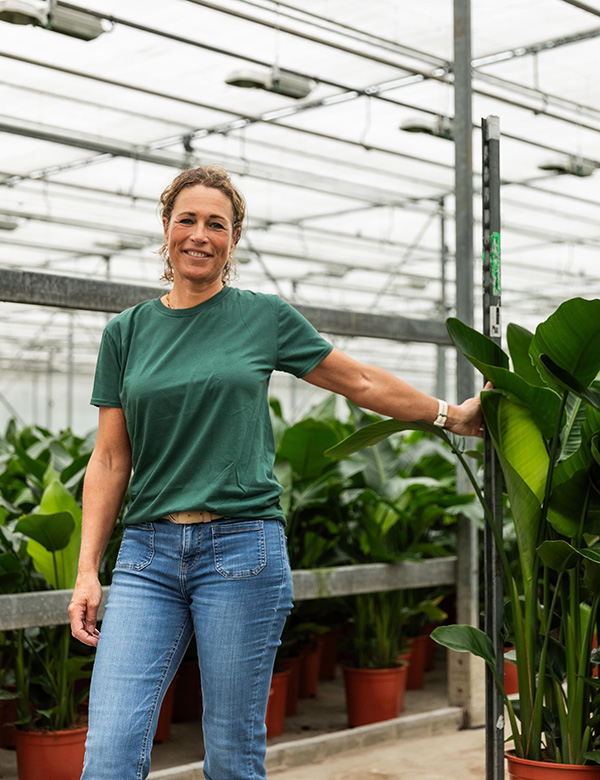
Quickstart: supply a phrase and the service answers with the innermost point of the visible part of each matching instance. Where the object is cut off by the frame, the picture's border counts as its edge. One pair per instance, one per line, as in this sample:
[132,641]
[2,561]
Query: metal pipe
[462,672]
[492,480]
[583,7]
[440,382]
[95,295]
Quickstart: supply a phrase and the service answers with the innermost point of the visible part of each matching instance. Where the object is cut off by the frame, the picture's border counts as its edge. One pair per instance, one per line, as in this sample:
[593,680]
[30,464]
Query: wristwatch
[442,416]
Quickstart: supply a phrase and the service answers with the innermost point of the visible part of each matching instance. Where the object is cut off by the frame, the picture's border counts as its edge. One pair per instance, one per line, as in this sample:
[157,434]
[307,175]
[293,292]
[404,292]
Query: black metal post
[494,614]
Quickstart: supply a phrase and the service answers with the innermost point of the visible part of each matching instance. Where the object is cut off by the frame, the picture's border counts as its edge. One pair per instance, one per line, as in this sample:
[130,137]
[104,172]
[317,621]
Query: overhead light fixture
[25,11]
[8,223]
[75,23]
[46,13]
[280,81]
[575,166]
[442,127]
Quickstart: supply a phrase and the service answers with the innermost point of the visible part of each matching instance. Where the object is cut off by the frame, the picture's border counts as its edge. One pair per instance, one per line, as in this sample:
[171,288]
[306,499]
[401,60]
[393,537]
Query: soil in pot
[50,755]
[373,695]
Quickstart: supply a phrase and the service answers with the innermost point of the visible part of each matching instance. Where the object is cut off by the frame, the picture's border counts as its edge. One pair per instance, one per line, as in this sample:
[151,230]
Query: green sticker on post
[495,262]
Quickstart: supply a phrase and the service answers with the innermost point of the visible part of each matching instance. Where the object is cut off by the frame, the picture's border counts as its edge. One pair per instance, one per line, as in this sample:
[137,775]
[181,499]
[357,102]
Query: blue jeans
[228,581]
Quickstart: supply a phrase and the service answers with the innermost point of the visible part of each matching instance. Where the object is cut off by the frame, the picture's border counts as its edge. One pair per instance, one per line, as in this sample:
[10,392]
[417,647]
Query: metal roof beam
[583,7]
[68,292]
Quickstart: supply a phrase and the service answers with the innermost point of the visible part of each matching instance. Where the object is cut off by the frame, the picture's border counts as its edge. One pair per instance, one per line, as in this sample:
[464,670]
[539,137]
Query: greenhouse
[414,186]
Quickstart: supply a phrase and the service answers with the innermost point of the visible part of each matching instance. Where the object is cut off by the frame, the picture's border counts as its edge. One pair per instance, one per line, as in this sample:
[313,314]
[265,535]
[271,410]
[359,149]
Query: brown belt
[193,516]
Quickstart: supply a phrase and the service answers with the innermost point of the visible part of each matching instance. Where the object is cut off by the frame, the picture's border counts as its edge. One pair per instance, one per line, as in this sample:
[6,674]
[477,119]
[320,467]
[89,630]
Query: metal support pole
[440,380]
[494,720]
[466,676]
[70,372]
[49,395]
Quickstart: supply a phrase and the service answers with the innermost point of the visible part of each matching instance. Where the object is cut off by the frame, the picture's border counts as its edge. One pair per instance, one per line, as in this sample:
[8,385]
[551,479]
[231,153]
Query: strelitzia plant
[544,419]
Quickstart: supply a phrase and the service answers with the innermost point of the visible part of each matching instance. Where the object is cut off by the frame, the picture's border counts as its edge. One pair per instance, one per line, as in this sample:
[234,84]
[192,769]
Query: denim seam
[157,696]
[186,567]
[251,773]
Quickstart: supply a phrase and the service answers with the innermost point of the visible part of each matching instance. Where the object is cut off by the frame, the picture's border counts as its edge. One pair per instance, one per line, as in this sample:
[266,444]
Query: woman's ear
[165,228]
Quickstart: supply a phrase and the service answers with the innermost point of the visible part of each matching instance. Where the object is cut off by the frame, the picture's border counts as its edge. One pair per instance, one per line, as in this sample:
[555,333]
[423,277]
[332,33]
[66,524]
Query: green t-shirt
[193,384]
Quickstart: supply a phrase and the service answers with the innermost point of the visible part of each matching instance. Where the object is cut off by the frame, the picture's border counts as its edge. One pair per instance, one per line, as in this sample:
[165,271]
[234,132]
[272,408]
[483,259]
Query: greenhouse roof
[345,207]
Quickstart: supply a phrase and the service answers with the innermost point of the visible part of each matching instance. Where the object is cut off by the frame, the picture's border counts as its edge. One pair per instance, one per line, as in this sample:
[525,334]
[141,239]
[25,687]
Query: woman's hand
[467,419]
[83,609]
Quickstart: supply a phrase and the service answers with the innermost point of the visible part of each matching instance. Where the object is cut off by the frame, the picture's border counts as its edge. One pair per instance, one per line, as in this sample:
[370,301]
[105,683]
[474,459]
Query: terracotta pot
[163,727]
[50,755]
[416,670]
[331,641]
[524,769]
[511,678]
[309,669]
[293,664]
[373,695]
[188,695]
[277,703]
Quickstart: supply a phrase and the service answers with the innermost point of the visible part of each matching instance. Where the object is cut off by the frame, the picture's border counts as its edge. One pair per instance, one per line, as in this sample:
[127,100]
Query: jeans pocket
[137,547]
[239,548]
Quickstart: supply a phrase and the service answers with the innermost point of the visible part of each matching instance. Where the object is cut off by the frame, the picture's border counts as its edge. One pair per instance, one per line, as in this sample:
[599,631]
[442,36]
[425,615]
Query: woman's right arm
[105,483]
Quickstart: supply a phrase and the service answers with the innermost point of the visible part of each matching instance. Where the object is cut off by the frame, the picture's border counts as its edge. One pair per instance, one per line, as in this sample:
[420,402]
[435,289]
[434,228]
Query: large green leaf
[283,472]
[543,403]
[57,499]
[303,445]
[372,434]
[519,340]
[570,489]
[568,382]
[11,572]
[571,338]
[558,554]
[492,362]
[524,462]
[53,532]
[475,345]
[465,639]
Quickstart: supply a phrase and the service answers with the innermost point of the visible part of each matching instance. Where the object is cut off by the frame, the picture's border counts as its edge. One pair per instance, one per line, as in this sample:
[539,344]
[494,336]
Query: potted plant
[46,670]
[40,535]
[376,681]
[544,419]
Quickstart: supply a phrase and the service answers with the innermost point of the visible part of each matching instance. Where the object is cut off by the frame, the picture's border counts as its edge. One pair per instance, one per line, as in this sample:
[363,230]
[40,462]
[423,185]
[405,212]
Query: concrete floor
[429,748]
[458,755]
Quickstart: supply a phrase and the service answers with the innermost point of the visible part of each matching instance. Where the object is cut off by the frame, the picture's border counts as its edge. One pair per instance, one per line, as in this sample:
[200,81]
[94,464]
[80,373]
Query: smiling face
[200,238]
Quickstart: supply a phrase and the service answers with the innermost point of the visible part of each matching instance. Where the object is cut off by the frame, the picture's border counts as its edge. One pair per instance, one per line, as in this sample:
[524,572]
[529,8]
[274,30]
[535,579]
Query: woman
[181,383]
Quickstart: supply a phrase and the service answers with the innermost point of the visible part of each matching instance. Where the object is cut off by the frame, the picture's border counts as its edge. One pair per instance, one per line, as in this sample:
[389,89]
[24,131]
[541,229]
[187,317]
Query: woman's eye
[186,221]
[217,225]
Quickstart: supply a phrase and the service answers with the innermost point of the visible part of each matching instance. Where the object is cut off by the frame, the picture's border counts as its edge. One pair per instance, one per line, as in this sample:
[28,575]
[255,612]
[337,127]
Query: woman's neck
[183,296]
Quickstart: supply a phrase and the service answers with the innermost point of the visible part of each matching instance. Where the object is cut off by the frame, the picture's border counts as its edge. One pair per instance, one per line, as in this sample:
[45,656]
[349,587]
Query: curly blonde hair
[214,177]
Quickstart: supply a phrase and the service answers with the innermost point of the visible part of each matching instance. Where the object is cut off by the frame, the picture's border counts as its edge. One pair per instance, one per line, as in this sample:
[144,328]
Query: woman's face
[200,236]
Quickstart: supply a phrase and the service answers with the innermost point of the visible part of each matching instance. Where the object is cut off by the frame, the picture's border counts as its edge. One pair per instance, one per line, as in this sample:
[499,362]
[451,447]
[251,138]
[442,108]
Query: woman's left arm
[382,392]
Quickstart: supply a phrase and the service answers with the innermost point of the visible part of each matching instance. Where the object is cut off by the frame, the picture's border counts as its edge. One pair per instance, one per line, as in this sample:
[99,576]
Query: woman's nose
[199,232]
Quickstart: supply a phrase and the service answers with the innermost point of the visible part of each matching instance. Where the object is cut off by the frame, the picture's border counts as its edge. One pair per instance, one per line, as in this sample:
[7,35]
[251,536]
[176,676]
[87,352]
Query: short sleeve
[108,374]
[300,347]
